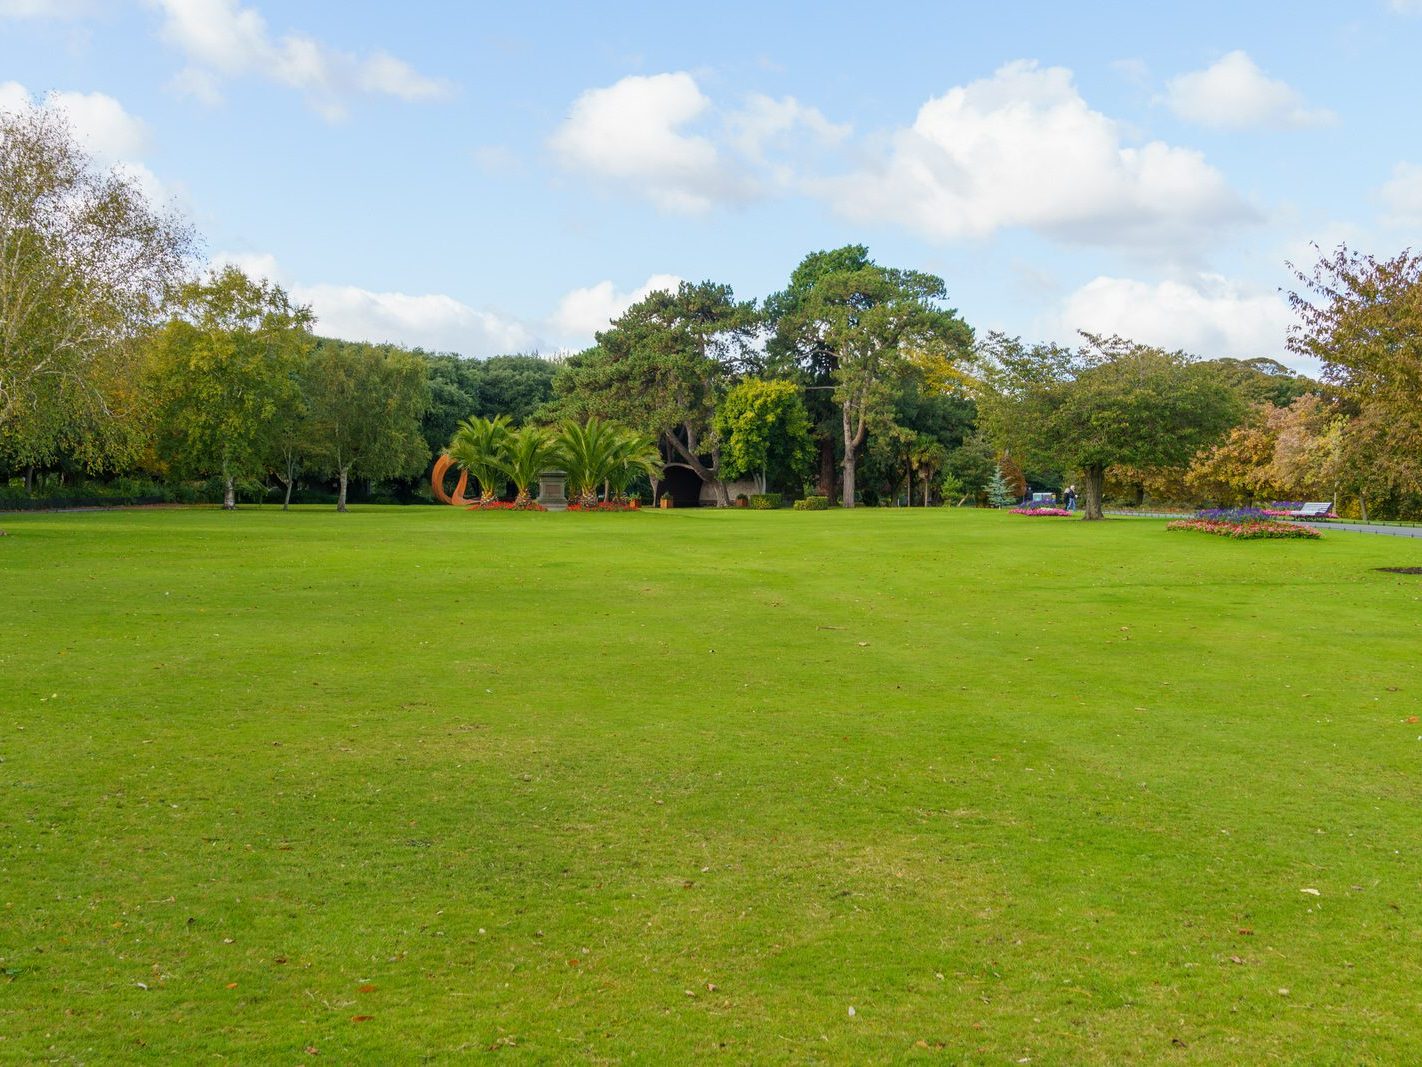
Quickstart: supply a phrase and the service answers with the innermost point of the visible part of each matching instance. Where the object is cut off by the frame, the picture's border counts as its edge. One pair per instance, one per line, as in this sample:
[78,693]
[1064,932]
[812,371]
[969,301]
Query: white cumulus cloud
[1401,195]
[583,312]
[1234,94]
[102,125]
[659,136]
[1210,315]
[1024,149]
[763,120]
[634,132]
[224,39]
[430,320]
[98,121]
[439,322]
[433,321]
[104,129]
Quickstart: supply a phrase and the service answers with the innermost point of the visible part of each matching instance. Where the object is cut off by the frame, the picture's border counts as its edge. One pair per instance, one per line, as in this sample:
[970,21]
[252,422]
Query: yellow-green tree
[226,375]
[365,403]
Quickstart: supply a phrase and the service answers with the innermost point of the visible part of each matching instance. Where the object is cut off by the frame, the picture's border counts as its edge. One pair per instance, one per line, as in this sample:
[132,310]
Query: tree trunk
[925,490]
[705,473]
[29,479]
[286,502]
[1363,506]
[1140,494]
[852,440]
[1095,483]
[229,494]
[341,498]
[908,485]
[826,467]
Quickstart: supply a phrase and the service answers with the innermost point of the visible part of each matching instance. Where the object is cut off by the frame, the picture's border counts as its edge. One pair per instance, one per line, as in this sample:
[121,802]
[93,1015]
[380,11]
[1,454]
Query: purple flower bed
[1232,514]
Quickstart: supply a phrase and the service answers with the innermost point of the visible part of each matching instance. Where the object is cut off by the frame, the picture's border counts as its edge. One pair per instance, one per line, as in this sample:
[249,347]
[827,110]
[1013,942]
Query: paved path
[1367,527]
[1352,527]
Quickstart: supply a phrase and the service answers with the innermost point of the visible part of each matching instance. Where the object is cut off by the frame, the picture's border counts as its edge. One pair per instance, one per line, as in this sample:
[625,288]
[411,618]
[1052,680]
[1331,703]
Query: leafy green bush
[766,501]
[812,503]
[118,492]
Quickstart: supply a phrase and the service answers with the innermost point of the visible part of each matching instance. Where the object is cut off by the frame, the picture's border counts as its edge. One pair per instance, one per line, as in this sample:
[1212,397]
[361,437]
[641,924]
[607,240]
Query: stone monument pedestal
[552,489]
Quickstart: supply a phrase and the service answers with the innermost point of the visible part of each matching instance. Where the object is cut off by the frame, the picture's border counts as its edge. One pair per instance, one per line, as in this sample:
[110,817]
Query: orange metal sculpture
[458,499]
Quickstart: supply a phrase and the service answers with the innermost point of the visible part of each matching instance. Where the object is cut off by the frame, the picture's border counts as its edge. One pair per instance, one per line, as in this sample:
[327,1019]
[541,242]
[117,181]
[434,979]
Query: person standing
[1071,498]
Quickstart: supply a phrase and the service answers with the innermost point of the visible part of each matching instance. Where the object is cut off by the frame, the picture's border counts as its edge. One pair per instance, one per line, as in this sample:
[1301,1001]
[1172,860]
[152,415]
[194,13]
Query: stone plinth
[552,490]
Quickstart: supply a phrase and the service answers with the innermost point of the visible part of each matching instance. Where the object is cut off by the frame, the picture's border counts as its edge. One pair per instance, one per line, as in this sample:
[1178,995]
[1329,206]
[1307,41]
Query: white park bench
[1316,510]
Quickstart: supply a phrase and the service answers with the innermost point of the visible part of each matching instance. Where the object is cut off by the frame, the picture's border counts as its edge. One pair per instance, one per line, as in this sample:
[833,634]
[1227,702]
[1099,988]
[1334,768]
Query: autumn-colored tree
[1308,448]
[1012,471]
[1361,317]
[1292,452]
[1234,471]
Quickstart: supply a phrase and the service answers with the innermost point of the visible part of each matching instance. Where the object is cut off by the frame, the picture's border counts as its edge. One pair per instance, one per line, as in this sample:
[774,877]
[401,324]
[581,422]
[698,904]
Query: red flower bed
[608,505]
[1039,511]
[506,505]
[1249,530]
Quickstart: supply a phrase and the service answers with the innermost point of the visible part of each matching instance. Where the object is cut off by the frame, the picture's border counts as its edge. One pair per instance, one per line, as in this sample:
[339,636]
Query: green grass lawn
[834,787]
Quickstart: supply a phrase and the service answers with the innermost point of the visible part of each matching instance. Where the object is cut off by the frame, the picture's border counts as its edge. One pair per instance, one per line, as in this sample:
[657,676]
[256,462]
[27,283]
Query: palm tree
[479,446]
[636,454]
[928,458]
[590,454]
[528,452]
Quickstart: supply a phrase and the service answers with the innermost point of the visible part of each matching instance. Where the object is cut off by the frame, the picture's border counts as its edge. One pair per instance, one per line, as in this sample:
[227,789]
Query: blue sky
[495,177]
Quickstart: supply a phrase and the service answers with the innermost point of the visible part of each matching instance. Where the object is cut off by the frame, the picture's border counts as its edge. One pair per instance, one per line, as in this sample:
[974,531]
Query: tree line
[856,381]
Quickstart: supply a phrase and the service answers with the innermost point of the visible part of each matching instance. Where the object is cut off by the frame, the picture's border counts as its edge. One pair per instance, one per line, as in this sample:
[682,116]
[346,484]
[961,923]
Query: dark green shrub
[812,503]
[766,501]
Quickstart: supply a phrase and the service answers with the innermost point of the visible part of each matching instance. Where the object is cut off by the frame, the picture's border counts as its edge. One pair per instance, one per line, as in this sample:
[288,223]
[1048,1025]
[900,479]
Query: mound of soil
[1401,570]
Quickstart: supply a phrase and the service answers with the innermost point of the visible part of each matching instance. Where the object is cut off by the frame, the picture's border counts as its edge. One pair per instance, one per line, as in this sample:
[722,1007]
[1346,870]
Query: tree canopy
[859,328]
[86,266]
[365,407]
[662,368]
[226,374]
[1361,317]
[1112,402]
